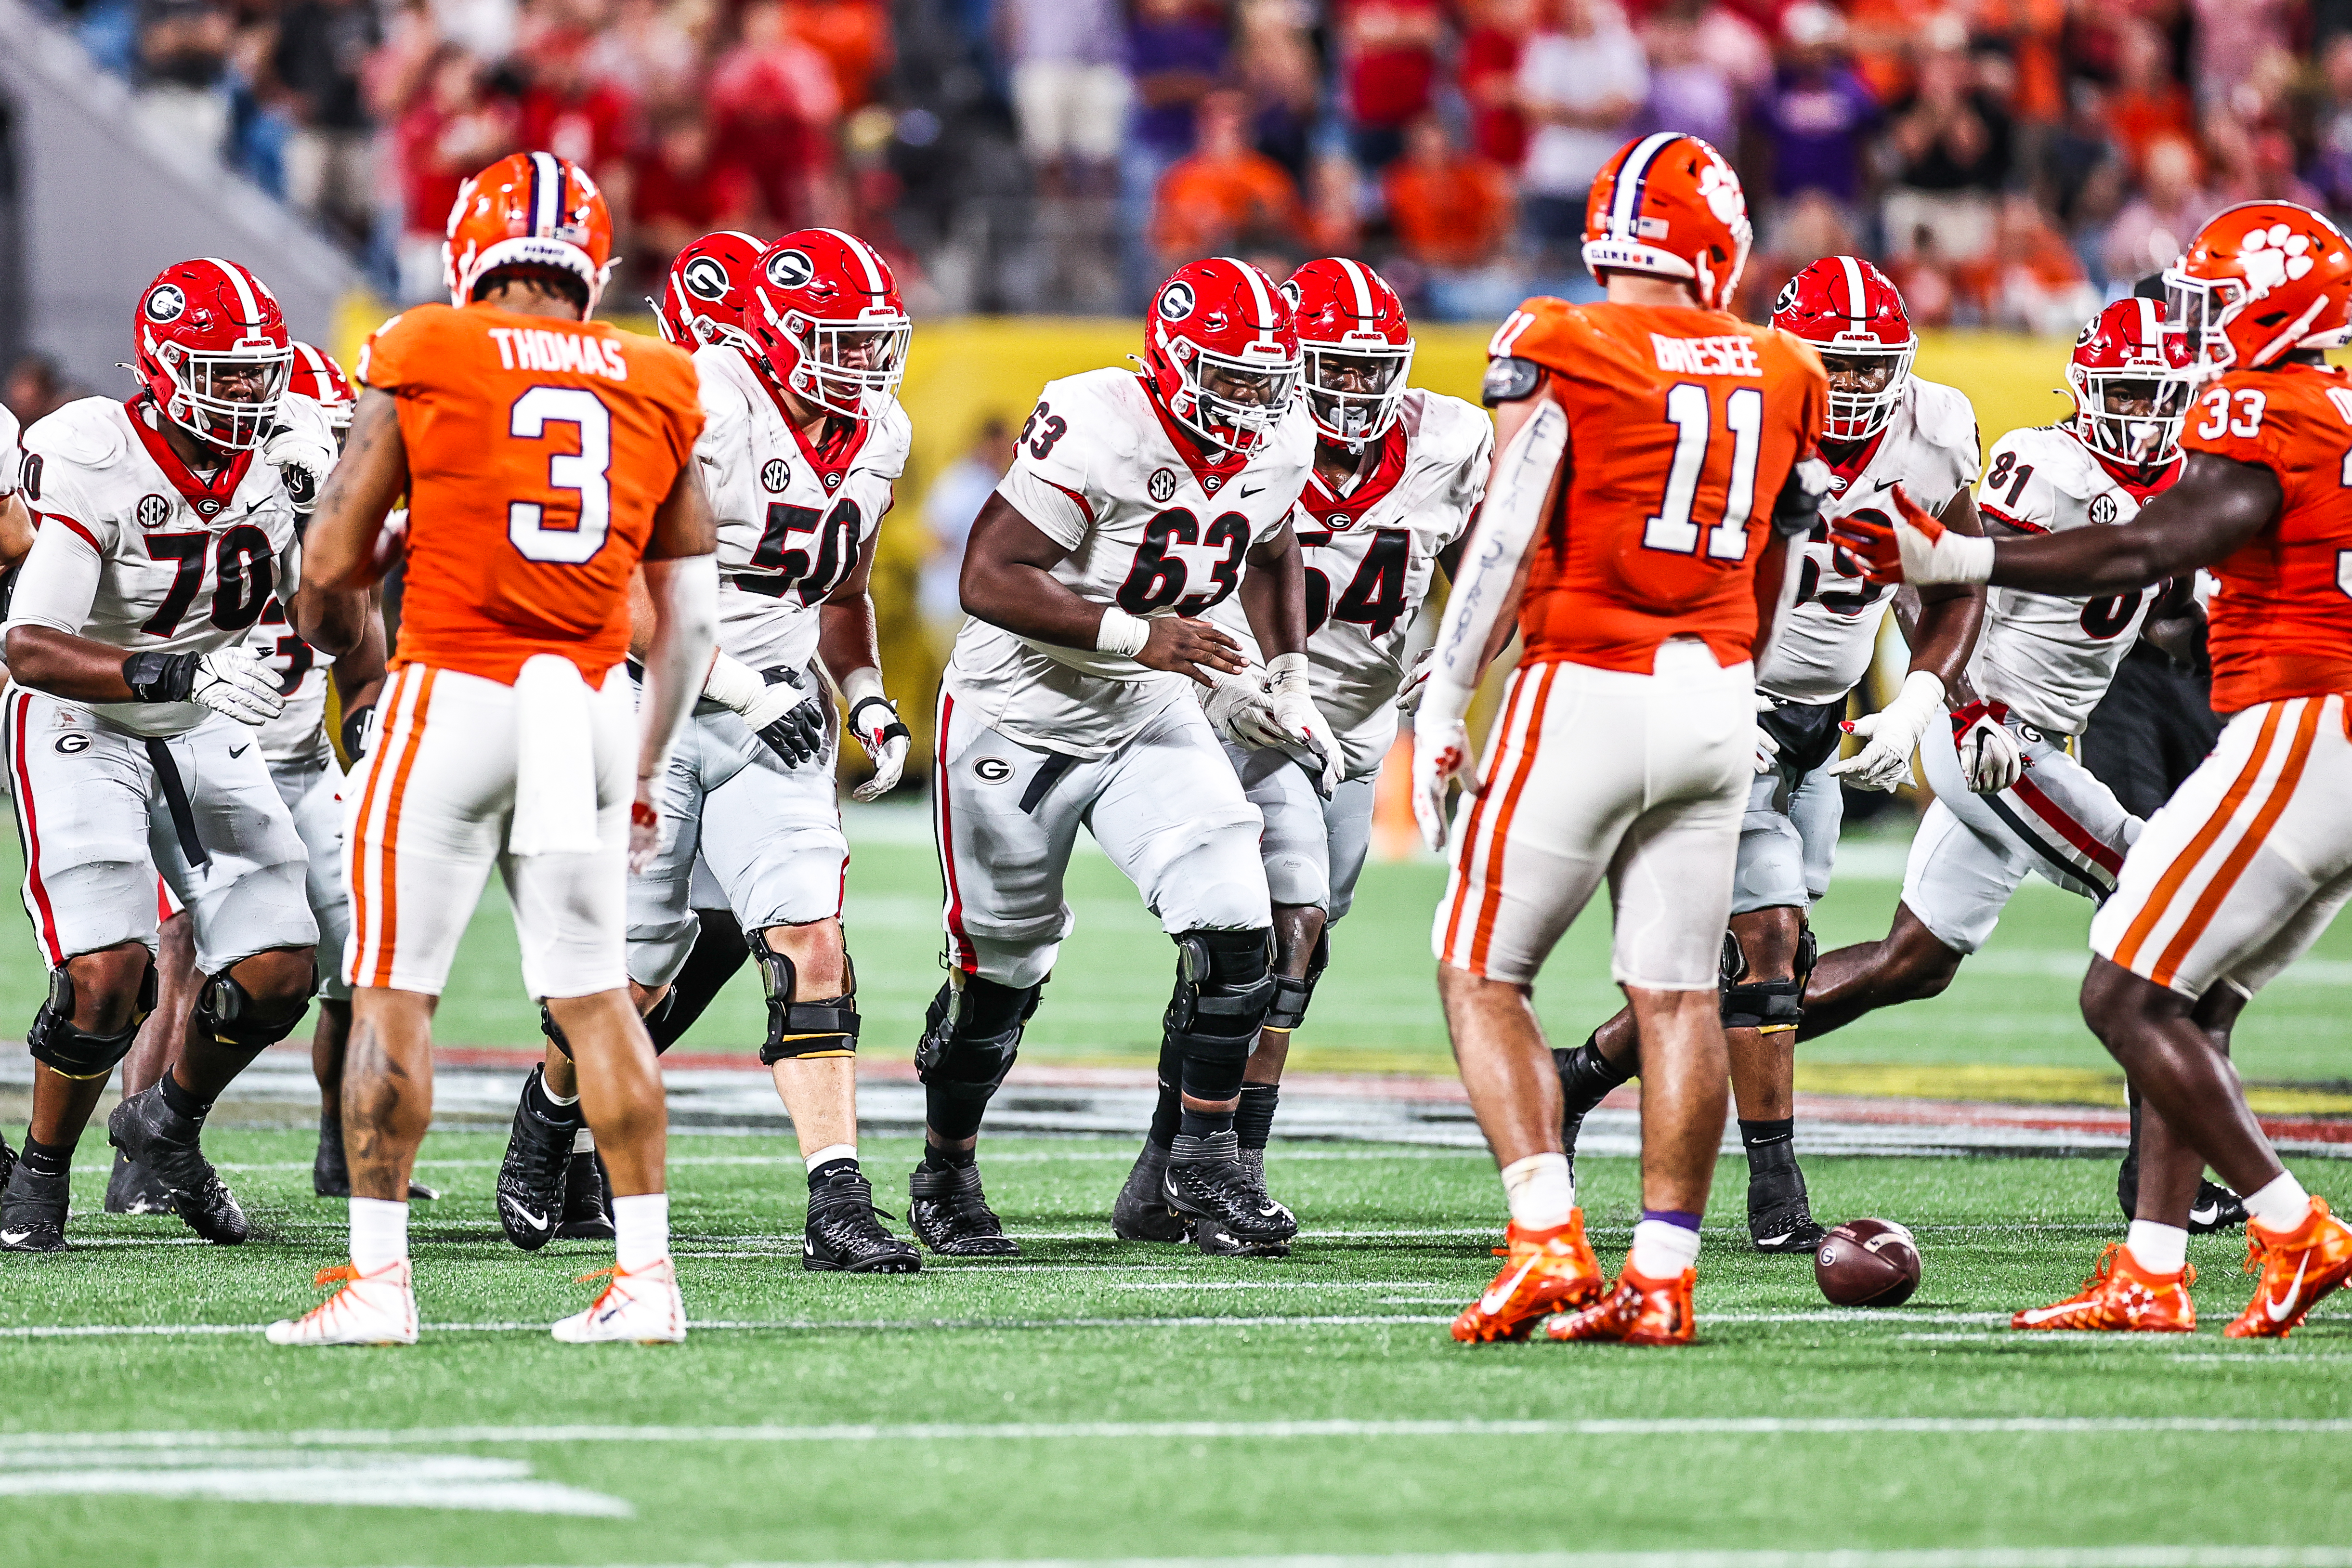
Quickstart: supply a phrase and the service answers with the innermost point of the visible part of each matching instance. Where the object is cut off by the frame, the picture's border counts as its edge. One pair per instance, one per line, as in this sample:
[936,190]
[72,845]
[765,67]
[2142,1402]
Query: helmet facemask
[1353,390]
[2197,310]
[848,368]
[225,398]
[1231,402]
[1878,372]
[2132,414]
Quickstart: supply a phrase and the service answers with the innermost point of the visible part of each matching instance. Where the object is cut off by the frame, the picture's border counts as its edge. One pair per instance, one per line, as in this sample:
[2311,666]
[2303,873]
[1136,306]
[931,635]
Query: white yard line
[1844,1557]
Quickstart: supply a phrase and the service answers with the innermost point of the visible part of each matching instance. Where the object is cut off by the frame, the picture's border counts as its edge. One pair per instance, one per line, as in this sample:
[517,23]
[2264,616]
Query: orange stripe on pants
[2210,902]
[1482,938]
[355,850]
[1468,847]
[389,851]
[2159,900]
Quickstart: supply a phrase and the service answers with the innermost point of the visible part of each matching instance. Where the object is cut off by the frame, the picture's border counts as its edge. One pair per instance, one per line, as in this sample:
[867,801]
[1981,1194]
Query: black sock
[1164,1114]
[824,1170]
[1755,1135]
[1586,1076]
[1254,1119]
[46,1159]
[544,1106]
[1771,1152]
[1205,1123]
[938,1159]
[181,1101]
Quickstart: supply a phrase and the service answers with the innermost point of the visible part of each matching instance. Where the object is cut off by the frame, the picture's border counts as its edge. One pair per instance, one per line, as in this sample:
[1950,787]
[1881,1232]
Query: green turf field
[1097,1400]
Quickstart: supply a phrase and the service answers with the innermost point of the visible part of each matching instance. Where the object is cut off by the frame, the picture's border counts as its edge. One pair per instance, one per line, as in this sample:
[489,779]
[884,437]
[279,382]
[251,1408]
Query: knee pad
[972,1035]
[554,1031]
[76,1053]
[796,1028]
[1288,1011]
[1224,987]
[227,1012]
[1773,1006]
[1809,954]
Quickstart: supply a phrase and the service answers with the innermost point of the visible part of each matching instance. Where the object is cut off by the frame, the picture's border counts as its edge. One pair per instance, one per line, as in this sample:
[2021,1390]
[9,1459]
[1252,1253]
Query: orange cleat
[2120,1296]
[2296,1270]
[1543,1271]
[1639,1311]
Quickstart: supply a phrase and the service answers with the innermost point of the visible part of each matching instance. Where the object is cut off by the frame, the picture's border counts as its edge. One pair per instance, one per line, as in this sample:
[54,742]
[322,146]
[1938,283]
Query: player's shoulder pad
[891,437]
[1451,428]
[1104,410]
[86,434]
[2057,458]
[1807,358]
[722,384]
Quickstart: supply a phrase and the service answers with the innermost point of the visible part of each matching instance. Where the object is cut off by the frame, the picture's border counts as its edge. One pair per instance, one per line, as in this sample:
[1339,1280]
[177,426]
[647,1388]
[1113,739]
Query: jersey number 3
[587,471]
[1672,527]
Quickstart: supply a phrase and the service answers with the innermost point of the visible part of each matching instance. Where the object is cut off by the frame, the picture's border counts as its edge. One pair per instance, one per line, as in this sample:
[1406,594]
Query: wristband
[159,677]
[1121,633]
[733,684]
[1286,672]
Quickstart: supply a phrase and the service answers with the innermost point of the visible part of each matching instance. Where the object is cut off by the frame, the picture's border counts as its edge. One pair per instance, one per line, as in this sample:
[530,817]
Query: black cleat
[1208,1184]
[2215,1209]
[7,1162]
[1780,1218]
[1218,1242]
[951,1214]
[330,1176]
[533,1177]
[1790,1229]
[1140,1211]
[844,1234]
[131,1188]
[33,1213]
[167,1143]
[587,1199]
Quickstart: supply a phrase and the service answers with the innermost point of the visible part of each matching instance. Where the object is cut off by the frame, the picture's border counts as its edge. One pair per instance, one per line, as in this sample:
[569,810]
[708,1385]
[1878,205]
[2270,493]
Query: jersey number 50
[1672,527]
[586,471]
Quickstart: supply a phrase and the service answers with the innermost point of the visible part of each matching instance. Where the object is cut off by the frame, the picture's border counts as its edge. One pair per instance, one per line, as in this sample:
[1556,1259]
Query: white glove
[644,828]
[1914,548]
[1441,753]
[874,720]
[1990,759]
[1304,734]
[1767,750]
[1239,709]
[233,681]
[1416,679]
[1894,734]
[303,451]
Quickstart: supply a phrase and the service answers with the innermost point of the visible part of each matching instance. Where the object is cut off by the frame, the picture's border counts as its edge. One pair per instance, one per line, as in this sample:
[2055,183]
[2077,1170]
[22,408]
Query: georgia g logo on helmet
[1176,302]
[705,278]
[166,303]
[790,269]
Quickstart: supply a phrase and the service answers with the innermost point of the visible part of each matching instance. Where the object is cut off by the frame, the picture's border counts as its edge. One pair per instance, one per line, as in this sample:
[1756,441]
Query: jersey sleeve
[2019,487]
[1469,485]
[724,451]
[12,456]
[1050,481]
[58,582]
[388,360]
[57,492]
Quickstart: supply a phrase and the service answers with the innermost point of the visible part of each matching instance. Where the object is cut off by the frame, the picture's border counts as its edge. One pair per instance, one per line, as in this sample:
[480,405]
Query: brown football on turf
[1867,1263]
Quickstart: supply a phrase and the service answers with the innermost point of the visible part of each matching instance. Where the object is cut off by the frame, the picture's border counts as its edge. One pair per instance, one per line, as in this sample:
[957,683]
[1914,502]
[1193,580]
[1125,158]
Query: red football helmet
[213,351]
[709,283]
[2260,280]
[1670,204]
[1848,311]
[1221,351]
[2124,355]
[1357,347]
[528,209]
[824,311]
[317,377]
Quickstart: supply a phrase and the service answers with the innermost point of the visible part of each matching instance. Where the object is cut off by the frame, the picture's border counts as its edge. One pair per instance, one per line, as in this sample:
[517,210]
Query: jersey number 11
[1672,527]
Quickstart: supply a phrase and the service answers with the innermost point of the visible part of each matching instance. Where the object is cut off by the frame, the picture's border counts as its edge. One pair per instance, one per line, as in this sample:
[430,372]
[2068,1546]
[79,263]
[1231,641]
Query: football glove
[233,681]
[1916,548]
[1767,750]
[1416,679]
[1894,734]
[644,828]
[875,722]
[1240,711]
[302,450]
[1990,759]
[786,715]
[1305,735]
[1440,753]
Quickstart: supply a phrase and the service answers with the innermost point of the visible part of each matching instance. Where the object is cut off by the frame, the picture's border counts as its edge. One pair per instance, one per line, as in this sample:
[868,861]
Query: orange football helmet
[2261,280]
[528,209]
[1671,205]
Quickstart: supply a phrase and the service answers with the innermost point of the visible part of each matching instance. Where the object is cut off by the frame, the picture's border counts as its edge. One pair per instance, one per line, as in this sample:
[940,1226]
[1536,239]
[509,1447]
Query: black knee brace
[825,1028]
[1288,1011]
[1224,988]
[227,1013]
[554,1031]
[1774,1006]
[972,1035]
[76,1053]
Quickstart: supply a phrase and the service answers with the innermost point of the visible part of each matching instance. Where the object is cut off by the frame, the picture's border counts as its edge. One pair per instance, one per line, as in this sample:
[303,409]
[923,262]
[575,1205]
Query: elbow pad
[1799,507]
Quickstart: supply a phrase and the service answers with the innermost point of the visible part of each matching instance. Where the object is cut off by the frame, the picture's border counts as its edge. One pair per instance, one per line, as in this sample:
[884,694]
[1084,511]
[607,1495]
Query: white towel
[555,760]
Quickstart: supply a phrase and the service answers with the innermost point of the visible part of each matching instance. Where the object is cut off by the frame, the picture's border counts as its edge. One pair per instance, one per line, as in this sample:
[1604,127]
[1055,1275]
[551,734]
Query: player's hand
[1916,548]
[1194,647]
[1239,710]
[1441,755]
[644,828]
[1416,679]
[1767,750]
[231,680]
[1990,759]
[1305,733]
[303,457]
[1894,734]
[875,722]
[787,716]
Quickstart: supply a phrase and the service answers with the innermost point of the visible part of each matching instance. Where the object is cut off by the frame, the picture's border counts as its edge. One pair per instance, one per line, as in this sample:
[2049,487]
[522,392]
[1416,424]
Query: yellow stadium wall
[961,373]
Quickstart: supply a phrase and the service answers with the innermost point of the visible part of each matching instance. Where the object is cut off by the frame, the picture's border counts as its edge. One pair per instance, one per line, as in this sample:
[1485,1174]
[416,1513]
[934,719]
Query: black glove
[797,734]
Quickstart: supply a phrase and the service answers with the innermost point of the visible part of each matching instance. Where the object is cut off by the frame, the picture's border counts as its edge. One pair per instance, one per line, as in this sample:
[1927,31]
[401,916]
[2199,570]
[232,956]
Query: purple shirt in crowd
[1192,45]
[1817,129]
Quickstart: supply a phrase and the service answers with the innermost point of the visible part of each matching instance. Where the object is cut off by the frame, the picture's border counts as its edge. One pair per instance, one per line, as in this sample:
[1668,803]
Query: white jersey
[1929,448]
[2050,658]
[12,456]
[297,736]
[793,518]
[1371,556]
[1150,526]
[136,551]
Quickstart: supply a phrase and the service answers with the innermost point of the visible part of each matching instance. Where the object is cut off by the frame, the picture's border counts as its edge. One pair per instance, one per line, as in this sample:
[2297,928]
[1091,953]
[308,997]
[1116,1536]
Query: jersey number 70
[1672,527]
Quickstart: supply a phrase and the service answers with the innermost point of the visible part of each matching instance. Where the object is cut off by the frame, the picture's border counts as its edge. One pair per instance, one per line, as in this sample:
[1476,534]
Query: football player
[1397,474]
[1886,426]
[802,444]
[2243,868]
[549,465]
[2010,798]
[132,730]
[1136,503]
[1655,475]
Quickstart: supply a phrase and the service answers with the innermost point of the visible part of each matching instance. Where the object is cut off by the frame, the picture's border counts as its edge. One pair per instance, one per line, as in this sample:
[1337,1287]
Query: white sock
[2282,1205]
[2159,1248]
[641,1230]
[555,1099]
[379,1234]
[583,1141]
[1540,1191]
[831,1151]
[1663,1249]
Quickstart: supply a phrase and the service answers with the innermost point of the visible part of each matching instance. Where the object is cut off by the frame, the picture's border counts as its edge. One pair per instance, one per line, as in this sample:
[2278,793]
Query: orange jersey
[1683,425]
[2282,623]
[538,451]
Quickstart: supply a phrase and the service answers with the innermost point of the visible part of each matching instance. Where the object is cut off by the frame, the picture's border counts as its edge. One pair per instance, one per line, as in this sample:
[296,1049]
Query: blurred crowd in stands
[2010,162]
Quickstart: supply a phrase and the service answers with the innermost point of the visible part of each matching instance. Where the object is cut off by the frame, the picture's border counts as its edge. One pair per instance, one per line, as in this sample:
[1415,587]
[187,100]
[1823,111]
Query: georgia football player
[131,732]
[1136,503]
[1398,475]
[801,443]
[1886,426]
[2248,863]
[2011,799]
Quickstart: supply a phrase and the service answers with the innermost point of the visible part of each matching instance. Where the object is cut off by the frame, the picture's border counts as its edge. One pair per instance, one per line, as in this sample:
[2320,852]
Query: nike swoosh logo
[1269,1209]
[2044,1314]
[2204,1216]
[1774,1240]
[239,750]
[1253,490]
[535,1221]
[11,1237]
[1494,1299]
[1886,485]
[2279,1311]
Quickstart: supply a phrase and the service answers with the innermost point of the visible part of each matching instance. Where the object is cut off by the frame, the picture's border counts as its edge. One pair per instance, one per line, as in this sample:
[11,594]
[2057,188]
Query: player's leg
[131,1187]
[1005,818]
[1173,818]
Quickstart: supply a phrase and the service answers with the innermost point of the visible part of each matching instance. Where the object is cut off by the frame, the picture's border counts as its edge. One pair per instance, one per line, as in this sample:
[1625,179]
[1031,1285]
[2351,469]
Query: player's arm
[1948,616]
[851,646]
[15,529]
[681,585]
[358,675]
[344,548]
[1273,597]
[1008,582]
